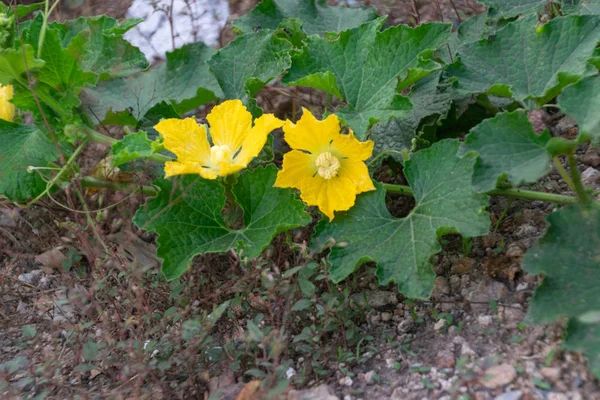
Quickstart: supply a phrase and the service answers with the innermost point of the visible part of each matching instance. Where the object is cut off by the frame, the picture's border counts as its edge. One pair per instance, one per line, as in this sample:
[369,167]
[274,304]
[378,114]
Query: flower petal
[296,167]
[230,124]
[178,168]
[7,109]
[337,194]
[227,169]
[186,139]
[358,173]
[257,138]
[310,134]
[352,148]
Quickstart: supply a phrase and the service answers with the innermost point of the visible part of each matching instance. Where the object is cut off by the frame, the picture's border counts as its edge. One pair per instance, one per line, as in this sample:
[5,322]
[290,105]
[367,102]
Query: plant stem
[47,11]
[108,141]
[513,193]
[563,172]
[90,181]
[578,185]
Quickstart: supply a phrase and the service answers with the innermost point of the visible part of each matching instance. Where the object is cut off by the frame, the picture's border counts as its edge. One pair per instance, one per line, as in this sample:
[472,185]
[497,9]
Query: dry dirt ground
[469,342]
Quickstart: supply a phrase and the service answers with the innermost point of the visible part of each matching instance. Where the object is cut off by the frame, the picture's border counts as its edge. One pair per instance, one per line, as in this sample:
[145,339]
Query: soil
[471,339]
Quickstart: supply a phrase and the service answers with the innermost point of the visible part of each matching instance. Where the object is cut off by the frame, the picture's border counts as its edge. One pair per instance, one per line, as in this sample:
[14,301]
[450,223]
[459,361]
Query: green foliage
[568,255]
[192,204]
[402,247]
[131,147]
[316,16]
[183,81]
[526,63]
[581,101]
[508,148]
[23,146]
[366,67]
[513,8]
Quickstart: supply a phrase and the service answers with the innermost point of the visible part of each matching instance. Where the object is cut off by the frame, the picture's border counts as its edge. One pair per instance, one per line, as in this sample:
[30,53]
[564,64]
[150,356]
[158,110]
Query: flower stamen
[221,154]
[328,165]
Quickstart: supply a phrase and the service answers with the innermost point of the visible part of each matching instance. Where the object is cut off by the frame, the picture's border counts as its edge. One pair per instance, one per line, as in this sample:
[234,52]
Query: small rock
[482,396]
[591,157]
[553,374]
[463,265]
[9,217]
[369,377]
[511,315]
[512,395]
[514,251]
[440,325]
[522,286]
[466,350]
[537,119]
[484,320]
[375,298]
[52,259]
[321,392]
[31,278]
[590,176]
[566,127]
[557,396]
[406,325]
[486,291]
[498,376]
[445,359]
[386,316]
[22,308]
[346,381]
[440,288]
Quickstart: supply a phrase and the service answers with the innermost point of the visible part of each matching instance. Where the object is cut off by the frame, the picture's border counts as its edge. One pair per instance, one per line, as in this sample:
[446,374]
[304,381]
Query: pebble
[591,157]
[31,278]
[466,350]
[484,320]
[498,376]
[375,298]
[386,316]
[590,176]
[406,325]
[486,291]
[512,395]
[511,315]
[321,392]
[557,396]
[441,287]
[440,325]
[553,374]
[445,359]
[346,381]
[369,377]
[514,250]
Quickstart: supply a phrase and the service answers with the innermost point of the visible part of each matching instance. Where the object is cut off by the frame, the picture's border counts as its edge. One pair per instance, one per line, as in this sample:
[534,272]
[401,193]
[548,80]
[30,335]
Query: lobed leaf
[528,63]
[365,67]
[131,147]
[182,81]
[581,101]
[508,148]
[581,7]
[585,337]
[186,214]
[23,146]
[12,64]
[402,247]
[316,16]
[513,8]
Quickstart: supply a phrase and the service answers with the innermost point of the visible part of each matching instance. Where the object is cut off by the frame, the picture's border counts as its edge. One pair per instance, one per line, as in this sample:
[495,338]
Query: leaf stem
[563,172]
[47,11]
[90,181]
[578,185]
[512,193]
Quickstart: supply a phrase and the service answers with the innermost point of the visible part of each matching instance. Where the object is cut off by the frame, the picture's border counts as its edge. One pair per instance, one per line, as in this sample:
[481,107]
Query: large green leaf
[526,62]
[569,257]
[581,7]
[12,64]
[187,216]
[131,147]
[248,63]
[396,135]
[402,247]
[316,16]
[105,51]
[365,66]
[183,81]
[23,146]
[508,149]
[513,8]
[581,101]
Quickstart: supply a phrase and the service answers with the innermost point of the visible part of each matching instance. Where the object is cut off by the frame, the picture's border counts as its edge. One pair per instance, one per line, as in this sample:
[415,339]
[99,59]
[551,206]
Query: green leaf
[581,7]
[106,52]
[581,101]
[402,247]
[397,134]
[508,149]
[131,147]
[365,67]
[513,8]
[182,81]
[569,257]
[528,63]
[585,337]
[316,16]
[12,64]
[187,216]
[471,30]
[248,63]
[23,146]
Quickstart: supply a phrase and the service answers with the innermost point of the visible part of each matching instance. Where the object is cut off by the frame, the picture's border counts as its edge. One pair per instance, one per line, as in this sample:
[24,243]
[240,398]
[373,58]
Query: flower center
[328,165]
[221,154]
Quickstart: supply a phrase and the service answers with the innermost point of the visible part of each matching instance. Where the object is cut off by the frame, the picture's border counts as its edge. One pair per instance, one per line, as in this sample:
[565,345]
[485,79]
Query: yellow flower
[7,109]
[326,166]
[235,142]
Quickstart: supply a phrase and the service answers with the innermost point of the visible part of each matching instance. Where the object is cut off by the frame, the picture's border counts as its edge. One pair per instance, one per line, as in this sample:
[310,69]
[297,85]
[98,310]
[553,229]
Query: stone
[486,291]
[346,381]
[591,157]
[484,320]
[445,359]
[512,395]
[557,396]
[440,325]
[514,250]
[441,287]
[590,176]
[386,316]
[9,217]
[375,298]
[321,392]
[511,315]
[31,278]
[406,325]
[52,259]
[466,350]
[463,265]
[369,377]
[553,374]
[498,376]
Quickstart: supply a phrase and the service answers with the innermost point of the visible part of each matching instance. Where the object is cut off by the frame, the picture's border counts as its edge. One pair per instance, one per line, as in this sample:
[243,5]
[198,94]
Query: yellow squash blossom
[7,109]
[326,166]
[235,142]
